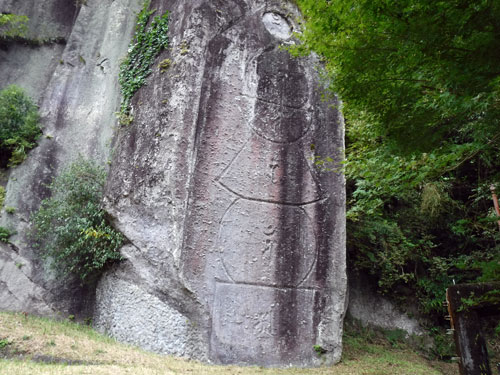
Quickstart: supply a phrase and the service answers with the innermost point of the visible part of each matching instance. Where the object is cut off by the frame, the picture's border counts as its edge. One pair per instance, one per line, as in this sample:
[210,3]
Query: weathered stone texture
[130,314]
[237,241]
[76,87]
[215,187]
[371,309]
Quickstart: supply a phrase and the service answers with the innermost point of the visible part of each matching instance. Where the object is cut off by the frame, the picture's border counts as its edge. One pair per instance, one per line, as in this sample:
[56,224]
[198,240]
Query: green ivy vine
[148,42]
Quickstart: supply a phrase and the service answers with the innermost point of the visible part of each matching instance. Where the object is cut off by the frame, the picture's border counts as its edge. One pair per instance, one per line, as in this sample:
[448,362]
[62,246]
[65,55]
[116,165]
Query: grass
[42,346]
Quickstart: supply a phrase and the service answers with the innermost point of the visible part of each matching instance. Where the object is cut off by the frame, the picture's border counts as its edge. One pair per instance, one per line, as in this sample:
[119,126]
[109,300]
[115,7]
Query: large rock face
[237,241]
[214,186]
[75,84]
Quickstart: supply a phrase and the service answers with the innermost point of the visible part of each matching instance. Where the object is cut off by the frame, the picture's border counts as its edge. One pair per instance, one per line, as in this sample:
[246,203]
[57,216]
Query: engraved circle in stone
[281,112]
[277,25]
[267,244]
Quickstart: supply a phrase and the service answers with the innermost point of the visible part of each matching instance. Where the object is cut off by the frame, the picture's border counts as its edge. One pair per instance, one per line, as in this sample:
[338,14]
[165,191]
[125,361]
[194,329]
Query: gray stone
[17,291]
[236,247]
[215,187]
[77,98]
[372,309]
[132,315]
[50,19]
[277,25]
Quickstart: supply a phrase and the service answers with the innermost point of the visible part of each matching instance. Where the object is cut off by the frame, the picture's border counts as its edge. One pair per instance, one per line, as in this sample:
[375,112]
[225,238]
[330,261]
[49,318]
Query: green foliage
[491,298]
[4,343]
[10,210]
[5,234]
[319,350]
[401,65]
[12,26]
[148,42]
[490,269]
[2,196]
[71,226]
[444,346]
[19,126]
[420,84]
[395,336]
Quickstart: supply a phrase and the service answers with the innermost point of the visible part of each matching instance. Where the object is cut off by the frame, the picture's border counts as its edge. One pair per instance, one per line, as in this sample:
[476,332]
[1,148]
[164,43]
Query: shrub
[4,234]
[2,196]
[71,227]
[19,127]
[12,26]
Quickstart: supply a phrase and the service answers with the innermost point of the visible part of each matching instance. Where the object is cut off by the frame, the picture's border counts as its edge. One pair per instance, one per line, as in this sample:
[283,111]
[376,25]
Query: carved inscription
[267,244]
[272,173]
[271,327]
[281,111]
[266,240]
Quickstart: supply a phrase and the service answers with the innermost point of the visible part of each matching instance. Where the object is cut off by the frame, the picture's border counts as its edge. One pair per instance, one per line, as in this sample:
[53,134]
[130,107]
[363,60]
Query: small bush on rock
[71,227]
[19,127]
[12,26]
[4,234]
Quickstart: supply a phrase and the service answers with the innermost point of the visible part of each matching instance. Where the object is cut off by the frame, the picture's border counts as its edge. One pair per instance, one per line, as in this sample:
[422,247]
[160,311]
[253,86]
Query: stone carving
[282,113]
[257,241]
[236,241]
[245,331]
[277,25]
[266,240]
[267,171]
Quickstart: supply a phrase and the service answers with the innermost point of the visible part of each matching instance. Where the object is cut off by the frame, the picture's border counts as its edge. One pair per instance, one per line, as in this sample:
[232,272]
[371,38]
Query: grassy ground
[30,345]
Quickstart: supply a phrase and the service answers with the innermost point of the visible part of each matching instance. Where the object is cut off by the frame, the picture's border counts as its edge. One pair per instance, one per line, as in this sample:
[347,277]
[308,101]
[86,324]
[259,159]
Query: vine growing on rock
[147,43]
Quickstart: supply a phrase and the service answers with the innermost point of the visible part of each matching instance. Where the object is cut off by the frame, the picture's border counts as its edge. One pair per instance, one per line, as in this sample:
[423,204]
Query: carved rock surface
[237,241]
[215,187]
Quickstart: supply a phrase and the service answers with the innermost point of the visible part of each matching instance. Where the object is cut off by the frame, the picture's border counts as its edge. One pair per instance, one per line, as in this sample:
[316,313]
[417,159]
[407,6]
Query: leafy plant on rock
[5,234]
[12,27]
[148,42]
[71,226]
[19,125]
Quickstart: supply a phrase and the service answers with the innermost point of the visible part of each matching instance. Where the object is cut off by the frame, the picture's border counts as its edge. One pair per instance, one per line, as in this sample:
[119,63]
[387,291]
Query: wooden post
[465,321]
[495,202]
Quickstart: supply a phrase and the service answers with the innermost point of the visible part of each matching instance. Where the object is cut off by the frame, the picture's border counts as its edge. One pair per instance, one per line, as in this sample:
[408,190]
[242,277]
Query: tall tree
[420,83]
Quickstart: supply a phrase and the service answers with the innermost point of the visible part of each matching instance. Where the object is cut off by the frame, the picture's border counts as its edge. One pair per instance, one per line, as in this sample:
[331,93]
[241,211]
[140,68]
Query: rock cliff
[236,248]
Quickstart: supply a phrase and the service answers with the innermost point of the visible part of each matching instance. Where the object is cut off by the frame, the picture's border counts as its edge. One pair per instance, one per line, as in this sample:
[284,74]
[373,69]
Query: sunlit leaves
[420,83]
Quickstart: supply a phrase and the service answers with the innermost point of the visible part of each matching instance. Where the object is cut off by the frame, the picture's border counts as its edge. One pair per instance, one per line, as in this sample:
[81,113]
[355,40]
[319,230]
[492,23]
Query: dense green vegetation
[420,84]
[19,126]
[148,42]
[71,227]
